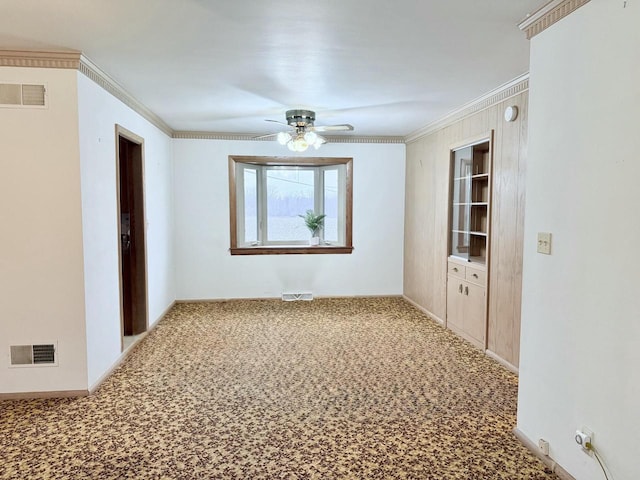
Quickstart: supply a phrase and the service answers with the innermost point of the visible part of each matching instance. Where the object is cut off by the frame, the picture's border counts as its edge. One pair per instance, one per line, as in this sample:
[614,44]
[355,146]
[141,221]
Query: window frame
[236,183]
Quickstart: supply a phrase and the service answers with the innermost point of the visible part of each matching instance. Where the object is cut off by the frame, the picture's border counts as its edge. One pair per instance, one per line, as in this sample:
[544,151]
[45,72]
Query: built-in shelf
[470,201]
[469,212]
[479,260]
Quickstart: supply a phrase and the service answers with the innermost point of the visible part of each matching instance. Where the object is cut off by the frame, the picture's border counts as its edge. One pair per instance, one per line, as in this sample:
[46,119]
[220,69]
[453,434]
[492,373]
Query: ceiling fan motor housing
[301,118]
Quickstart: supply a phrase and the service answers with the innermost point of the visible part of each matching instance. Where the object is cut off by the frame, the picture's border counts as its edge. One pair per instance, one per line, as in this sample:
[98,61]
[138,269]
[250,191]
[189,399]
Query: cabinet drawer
[473,275]
[456,270]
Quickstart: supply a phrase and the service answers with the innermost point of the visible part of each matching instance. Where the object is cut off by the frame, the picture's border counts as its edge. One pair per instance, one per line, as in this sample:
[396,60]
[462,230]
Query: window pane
[290,192]
[331,205]
[250,206]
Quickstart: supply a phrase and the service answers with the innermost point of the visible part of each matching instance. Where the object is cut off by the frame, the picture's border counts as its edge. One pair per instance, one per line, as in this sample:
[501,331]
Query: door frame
[121,132]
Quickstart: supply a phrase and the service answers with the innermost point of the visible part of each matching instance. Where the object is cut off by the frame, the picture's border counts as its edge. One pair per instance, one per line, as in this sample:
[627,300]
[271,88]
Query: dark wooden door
[132,244]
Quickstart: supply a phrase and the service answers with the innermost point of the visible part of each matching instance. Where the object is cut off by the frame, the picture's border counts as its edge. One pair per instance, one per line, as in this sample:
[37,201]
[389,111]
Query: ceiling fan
[302,132]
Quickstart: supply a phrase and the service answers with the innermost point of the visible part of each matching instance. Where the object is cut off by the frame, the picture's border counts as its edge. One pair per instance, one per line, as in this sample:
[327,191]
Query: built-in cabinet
[469,213]
[467,302]
[429,227]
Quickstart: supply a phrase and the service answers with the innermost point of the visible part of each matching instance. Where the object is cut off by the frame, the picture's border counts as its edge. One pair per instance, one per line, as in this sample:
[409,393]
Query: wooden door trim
[120,131]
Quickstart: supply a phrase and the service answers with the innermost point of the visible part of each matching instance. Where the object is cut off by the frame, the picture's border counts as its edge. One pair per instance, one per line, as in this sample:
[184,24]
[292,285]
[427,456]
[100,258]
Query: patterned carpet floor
[264,389]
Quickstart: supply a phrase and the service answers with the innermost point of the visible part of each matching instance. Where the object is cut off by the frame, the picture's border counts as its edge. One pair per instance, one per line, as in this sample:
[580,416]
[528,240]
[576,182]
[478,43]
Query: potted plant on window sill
[314,223]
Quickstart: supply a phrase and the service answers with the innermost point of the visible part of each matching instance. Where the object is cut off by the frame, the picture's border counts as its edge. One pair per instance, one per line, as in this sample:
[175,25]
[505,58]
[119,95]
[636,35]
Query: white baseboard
[128,350]
[315,297]
[549,462]
[117,363]
[425,311]
[42,395]
[502,362]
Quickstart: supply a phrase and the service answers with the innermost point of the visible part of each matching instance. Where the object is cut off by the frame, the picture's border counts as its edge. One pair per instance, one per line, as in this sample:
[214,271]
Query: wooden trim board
[549,14]
[44,395]
[503,92]
[425,311]
[502,361]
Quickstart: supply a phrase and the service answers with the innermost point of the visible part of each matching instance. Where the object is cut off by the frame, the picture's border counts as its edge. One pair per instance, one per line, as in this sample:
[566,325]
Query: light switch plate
[544,243]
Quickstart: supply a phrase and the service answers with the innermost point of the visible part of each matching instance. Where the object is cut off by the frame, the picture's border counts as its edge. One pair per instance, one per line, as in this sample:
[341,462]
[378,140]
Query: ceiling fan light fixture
[319,142]
[298,144]
[284,138]
[311,137]
[302,132]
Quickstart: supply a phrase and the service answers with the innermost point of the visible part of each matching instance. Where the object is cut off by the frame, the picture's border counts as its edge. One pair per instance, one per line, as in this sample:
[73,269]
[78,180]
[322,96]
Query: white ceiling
[387,67]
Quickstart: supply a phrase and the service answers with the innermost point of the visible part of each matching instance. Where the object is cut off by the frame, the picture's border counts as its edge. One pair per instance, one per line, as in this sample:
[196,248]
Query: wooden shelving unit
[470,202]
[469,237]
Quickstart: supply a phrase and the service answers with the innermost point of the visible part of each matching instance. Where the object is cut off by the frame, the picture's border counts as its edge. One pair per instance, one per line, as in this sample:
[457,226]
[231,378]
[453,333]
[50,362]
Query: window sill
[291,250]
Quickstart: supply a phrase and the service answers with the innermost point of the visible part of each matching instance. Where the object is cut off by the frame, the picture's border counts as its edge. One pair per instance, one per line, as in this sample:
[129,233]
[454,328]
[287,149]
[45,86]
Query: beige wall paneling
[522,180]
[505,290]
[426,226]
[426,240]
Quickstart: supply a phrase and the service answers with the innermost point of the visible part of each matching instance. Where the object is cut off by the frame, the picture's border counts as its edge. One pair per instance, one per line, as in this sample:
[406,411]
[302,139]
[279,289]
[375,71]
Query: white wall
[41,250]
[580,352]
[206,270]
[98,113]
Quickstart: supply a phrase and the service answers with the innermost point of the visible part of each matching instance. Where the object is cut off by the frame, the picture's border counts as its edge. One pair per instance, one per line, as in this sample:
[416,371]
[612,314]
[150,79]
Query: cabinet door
[461,168]
[474,313]
[455,301]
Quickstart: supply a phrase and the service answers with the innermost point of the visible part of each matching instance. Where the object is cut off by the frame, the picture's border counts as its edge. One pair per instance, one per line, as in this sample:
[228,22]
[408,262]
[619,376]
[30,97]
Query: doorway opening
[131,230]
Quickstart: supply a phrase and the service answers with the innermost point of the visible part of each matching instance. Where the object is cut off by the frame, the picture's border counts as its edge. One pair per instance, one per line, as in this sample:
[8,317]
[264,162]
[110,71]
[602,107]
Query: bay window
[269,194]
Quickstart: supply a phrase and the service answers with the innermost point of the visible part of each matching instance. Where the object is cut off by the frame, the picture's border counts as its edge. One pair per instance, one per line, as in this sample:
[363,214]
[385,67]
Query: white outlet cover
[544,243]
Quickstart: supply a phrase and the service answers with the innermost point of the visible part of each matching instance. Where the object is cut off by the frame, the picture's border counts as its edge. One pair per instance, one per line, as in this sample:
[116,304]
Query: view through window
[268,196]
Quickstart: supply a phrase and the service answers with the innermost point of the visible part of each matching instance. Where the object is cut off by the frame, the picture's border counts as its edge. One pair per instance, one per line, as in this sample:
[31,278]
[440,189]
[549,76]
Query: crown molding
[76,60]
[547,15]
[94,73]
[40,59]
[510,89]
[193,135]
[188,135]
[364,139]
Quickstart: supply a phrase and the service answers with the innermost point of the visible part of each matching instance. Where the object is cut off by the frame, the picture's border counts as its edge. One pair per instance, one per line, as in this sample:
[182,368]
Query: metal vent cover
[31,355]
[22,95]
[33,95]
[295,296]
[44,354]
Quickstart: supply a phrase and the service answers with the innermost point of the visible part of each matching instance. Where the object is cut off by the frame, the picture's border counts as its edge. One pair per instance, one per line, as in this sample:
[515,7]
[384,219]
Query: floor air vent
[22,95]
[292,297]
[26,355]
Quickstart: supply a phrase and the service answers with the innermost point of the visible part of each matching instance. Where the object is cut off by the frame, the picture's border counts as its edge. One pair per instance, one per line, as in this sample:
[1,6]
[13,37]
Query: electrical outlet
[544,243]
[584,438]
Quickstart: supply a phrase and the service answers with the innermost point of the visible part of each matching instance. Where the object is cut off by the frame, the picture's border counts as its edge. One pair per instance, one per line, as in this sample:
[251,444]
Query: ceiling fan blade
[276,121]
[265,136]
[332,128]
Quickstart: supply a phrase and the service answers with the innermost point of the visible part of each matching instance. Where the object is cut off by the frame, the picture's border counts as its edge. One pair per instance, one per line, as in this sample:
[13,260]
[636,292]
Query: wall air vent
[19,95]
[292,297]
[33,355]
